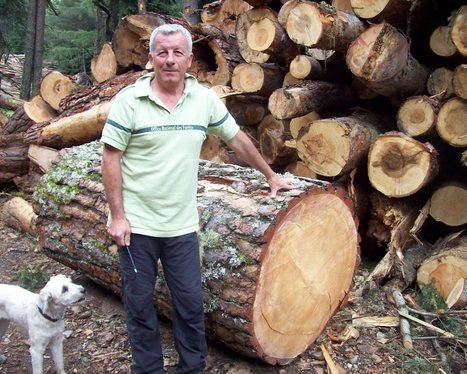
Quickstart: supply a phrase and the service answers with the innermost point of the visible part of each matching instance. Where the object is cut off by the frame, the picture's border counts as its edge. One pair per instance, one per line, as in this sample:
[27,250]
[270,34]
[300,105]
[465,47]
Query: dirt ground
[96,341]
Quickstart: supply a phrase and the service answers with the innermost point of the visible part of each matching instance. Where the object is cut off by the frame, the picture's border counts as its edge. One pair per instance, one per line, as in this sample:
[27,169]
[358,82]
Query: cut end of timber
[305,280]
[368,8]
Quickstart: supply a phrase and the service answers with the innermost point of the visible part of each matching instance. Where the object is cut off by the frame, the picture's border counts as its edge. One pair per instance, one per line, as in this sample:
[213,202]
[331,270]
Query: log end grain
[451,124]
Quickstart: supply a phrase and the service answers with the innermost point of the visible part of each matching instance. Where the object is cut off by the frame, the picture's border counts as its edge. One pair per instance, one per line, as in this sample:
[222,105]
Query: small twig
[427,325]
[404,323]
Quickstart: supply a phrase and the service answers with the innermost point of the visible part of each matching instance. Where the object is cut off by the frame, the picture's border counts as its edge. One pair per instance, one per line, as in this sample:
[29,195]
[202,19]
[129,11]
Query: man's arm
[119,228]
[246,150]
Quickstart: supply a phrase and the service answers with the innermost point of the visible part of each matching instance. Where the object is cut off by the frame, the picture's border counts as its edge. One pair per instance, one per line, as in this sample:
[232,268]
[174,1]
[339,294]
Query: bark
[459,81]
[308,96]
[104,65]
[446,266]
[224,14]
[190,11]
[28,67]
[380,57]
[399,165]
[258,79]
[272,135]
[334,146]
[440,83]
[315,25]
[457,25]
[417,116]
[451,125]
[13,157]
[54,87]
[18,122]
[251,251]
[448,203]
[39,110]
[38,46]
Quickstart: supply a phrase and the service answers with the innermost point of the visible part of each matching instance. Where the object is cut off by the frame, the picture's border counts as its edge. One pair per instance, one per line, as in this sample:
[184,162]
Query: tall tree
[28,67]
[38,46]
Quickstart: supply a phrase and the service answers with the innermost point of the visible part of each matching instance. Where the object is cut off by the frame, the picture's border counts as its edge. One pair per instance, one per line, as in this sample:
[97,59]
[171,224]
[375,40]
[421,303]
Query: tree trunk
[28,67]
[451,123]
[380,57]
[312,25]
[13,157]
[447,266]
[448,204]
[104,65]
[38,46]
[267,264]
[54,87]
[417,116]
[260,79]
[309,96]
[399,165]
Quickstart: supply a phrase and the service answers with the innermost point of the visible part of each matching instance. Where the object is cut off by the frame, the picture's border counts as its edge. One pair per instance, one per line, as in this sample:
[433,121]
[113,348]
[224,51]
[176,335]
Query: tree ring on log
[261,34]
[297,288]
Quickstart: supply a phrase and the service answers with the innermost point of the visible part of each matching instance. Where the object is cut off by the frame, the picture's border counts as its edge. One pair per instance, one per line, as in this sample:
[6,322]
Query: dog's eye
[64,289]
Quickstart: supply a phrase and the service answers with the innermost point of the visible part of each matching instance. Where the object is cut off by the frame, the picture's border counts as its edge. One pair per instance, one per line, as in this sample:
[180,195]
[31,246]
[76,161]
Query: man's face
[170,58]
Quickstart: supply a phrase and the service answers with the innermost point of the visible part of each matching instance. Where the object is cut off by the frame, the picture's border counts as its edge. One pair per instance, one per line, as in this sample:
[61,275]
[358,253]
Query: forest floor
[96,341]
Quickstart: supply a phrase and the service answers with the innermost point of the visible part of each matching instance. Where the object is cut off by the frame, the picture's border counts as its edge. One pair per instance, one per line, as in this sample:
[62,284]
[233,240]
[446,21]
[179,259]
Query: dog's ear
[45,297]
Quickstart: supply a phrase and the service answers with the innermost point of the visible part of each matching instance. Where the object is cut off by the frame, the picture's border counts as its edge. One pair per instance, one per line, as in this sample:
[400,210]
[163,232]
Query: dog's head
[61,291]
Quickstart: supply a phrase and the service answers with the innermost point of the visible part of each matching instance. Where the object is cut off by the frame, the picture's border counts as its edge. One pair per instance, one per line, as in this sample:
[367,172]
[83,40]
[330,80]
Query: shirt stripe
[220,122]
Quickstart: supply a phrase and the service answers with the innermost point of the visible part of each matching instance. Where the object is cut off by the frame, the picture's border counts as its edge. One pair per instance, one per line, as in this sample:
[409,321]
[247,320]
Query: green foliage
[31,277]
[430,299]
[418,365]
[13,19]
[173,8]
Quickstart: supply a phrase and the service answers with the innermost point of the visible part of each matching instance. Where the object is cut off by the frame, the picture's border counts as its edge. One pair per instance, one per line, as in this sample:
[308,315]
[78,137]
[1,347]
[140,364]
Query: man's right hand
[120,231]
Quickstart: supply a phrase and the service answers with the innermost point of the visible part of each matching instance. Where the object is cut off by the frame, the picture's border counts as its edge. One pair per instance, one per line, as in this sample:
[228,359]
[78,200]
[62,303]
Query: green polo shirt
[161,153]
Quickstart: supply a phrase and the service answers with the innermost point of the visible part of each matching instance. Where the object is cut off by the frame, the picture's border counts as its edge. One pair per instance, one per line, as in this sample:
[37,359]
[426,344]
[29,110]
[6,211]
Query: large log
[18,122]
[417,116]
[258,79]
[104,64]
[54,87]
[274,270]
[224,13]
[451,124]
[448,203]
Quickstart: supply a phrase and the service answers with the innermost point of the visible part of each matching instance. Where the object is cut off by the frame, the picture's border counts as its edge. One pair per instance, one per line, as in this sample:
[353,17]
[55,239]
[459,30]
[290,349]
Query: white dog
[41,315]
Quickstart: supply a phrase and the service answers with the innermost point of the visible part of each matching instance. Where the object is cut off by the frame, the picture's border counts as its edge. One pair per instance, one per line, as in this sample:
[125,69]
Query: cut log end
[451,124]
[291,309]
[417,116]
[457,298]
[448,204]
[399,166]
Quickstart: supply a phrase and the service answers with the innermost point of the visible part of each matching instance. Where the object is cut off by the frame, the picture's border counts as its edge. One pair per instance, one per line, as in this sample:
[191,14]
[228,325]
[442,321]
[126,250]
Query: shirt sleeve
[119,124]
[221,122]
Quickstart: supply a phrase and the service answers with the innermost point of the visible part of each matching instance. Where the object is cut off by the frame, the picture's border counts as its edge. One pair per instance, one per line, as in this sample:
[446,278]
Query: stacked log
[297,78]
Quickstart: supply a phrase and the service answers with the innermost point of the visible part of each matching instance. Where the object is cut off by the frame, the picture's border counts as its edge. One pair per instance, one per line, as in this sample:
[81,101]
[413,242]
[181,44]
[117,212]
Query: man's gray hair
[167,29]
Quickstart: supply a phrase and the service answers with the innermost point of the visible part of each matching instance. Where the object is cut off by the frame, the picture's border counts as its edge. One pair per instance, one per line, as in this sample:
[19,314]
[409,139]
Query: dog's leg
[56,347]
[37,350]
[3,326]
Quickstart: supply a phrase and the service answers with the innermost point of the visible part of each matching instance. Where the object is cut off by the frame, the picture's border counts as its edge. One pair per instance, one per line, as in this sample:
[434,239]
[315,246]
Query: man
[152,141]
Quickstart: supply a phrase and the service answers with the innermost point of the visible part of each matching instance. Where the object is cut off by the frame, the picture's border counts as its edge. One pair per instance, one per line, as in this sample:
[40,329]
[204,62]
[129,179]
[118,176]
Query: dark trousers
[181,264]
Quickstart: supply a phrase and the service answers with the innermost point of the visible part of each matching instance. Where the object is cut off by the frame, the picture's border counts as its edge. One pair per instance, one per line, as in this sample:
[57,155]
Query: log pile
[369,93]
